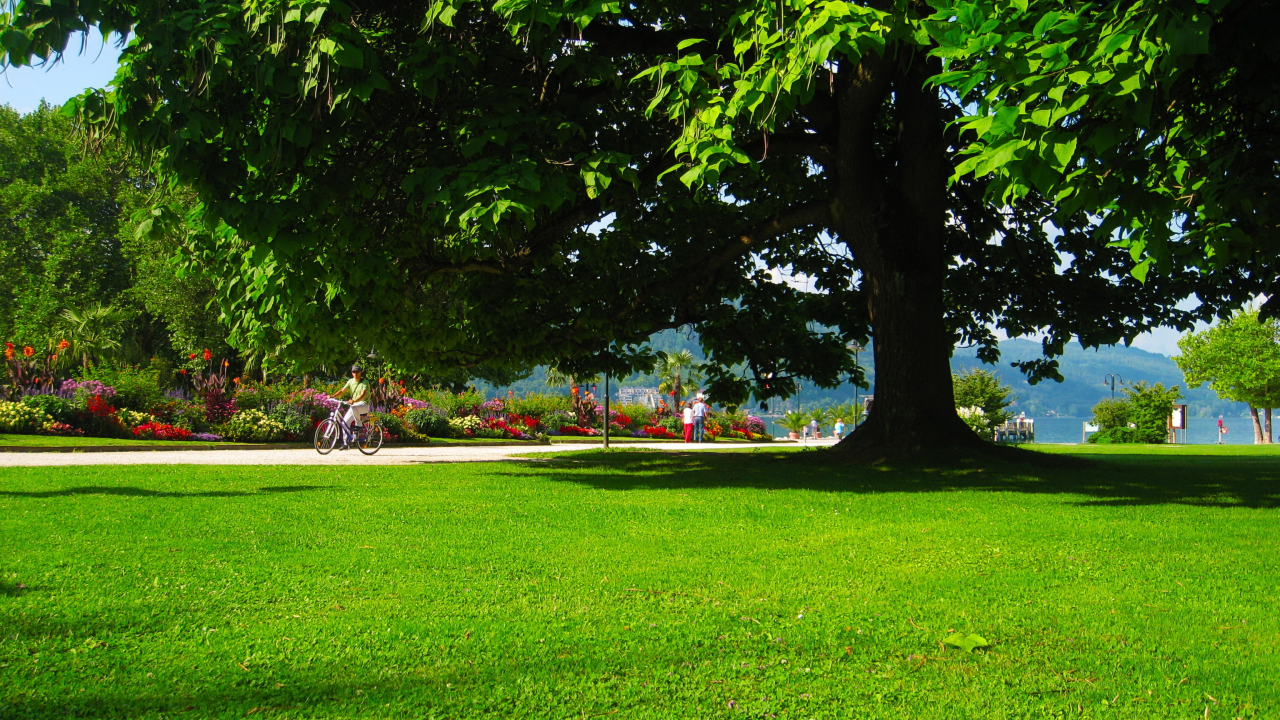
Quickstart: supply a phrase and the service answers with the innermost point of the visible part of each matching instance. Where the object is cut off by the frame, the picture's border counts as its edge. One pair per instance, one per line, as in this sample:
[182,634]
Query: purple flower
[206,437]
[90,387]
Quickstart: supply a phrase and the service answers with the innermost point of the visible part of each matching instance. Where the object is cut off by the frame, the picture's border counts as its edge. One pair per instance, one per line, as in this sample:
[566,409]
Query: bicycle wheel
[370,438]
[327,433]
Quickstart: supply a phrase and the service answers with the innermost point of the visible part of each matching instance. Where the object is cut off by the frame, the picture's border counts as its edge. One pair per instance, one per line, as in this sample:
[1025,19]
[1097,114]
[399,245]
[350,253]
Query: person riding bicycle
[359,390]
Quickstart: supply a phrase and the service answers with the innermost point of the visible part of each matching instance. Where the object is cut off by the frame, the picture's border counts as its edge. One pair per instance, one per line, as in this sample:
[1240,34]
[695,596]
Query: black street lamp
[856,347]
[1111,379]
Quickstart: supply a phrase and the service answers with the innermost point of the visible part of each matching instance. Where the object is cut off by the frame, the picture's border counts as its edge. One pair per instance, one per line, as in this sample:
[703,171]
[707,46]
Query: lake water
[1200,431]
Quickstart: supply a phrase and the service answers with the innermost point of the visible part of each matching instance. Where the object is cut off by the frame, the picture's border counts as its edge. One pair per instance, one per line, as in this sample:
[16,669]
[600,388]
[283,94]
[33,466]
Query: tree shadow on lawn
[1109,480]
[127,491]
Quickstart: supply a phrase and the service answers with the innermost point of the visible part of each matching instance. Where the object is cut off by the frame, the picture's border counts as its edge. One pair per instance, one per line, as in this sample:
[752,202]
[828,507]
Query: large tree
[458,183]
[1240,359]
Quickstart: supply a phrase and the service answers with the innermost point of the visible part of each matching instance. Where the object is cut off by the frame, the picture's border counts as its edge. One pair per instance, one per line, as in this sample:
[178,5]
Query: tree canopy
[459,183]
[1240,359]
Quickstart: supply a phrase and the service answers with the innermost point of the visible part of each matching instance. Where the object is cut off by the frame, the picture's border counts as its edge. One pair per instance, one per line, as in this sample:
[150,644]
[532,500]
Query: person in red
[688,422]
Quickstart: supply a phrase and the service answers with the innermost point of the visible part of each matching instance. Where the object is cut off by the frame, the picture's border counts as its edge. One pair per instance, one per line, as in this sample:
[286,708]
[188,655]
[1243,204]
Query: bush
[252,426]
[464,426]
[392,426]
[982,389]
[1141,417]
[428,421]
[16,417]
[161,431]
[133,419]
[52,405]
[135,388]
[295,418]
[190,416]
[256,396]
[539,405]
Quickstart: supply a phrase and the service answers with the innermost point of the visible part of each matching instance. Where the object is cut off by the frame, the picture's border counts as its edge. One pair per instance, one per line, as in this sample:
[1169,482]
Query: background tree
[1240,359]
[1142,416]
[432,178]
[982,389]
[674,370]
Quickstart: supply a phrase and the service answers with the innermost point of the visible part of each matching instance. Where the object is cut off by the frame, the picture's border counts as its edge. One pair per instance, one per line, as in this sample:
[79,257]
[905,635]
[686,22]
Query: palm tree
[93,331]
[676,369]
[794,422]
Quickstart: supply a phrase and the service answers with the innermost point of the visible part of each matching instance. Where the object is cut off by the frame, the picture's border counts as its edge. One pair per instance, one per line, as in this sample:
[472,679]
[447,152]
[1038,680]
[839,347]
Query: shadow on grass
[1104,480]
[127,491]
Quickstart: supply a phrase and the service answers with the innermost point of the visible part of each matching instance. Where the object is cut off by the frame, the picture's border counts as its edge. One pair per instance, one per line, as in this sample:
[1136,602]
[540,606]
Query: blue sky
[23,88]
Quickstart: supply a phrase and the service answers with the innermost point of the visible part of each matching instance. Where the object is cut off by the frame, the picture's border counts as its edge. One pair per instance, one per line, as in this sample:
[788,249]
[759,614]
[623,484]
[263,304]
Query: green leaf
[1064,152]
[968,643]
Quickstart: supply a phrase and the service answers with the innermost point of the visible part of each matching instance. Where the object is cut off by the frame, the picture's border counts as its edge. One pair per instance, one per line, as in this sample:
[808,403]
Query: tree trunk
[1266,435]
[1257,426]
[890,210]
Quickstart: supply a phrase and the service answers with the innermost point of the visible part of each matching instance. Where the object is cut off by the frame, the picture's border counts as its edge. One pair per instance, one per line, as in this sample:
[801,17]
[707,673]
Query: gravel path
[386,456]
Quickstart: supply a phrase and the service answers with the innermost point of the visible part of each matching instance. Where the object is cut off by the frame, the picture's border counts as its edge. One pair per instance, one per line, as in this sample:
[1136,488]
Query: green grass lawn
[1132,583]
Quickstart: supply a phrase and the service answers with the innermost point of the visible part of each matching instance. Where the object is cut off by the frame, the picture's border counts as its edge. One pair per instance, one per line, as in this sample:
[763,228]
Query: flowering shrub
[99,407]
[659,433]
[493,406]
[755,426]
[465,426]
[252,426]
[87,387]
[507,430]
[577,431]
[975,418]
[161,431]
[414,404]
[132,419]
[20,418]
[219,408]
[58,428]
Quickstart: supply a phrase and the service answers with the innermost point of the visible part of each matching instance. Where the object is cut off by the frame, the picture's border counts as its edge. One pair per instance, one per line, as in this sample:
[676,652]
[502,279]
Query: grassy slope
[654,585]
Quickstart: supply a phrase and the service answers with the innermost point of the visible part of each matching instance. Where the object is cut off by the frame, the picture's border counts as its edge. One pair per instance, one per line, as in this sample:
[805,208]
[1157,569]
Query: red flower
[182,372]
[8,353]
[28,351]
[193,356]
[207,355]
[63,345]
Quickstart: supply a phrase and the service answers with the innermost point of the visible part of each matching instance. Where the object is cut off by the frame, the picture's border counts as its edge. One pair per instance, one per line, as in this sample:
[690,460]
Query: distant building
[639,396]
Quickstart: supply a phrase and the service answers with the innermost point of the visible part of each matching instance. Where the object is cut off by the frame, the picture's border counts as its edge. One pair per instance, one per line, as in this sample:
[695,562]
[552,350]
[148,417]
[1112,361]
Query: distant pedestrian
[838,430]
[813,428]
[699,418]
[1222,429]
[688,422]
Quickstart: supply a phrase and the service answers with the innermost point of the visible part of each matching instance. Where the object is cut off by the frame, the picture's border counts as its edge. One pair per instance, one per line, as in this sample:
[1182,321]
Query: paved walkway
[386,456]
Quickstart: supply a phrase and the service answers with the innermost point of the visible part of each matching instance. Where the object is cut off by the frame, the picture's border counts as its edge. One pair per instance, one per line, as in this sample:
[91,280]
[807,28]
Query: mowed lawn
[1116,583]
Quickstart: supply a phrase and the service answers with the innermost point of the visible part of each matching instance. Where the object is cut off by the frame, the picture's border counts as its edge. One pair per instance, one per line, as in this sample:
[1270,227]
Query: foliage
[1141,417]
[675,370]
[1239,357]
[976,418]
[252,426]
[464,426]
[134,387]
[538,404]
[16,417]
[982,389]
[794,421]
[54,406]
[161,431]
[428,421]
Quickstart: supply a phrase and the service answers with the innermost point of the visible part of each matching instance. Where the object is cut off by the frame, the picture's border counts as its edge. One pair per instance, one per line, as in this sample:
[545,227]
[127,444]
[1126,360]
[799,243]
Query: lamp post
[606,411]
[856,347]
[1111,379]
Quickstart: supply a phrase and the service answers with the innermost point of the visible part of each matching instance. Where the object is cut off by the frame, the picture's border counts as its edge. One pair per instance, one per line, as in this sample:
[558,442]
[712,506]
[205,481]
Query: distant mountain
[1082,369]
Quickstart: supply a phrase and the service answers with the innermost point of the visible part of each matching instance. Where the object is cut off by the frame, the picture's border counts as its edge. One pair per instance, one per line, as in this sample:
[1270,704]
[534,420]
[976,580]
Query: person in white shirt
[688,422]
[699,418]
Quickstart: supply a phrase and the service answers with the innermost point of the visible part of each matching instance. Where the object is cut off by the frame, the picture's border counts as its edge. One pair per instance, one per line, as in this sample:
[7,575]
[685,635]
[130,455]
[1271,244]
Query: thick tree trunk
[1257,426]
[890,210]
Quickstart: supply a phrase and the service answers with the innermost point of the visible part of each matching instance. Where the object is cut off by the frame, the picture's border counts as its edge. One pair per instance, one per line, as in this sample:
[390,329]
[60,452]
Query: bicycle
[334,428]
